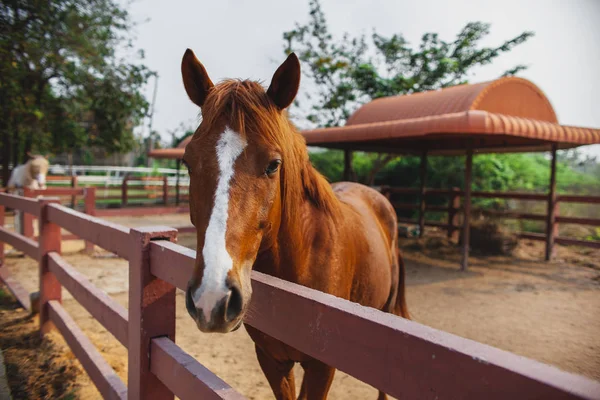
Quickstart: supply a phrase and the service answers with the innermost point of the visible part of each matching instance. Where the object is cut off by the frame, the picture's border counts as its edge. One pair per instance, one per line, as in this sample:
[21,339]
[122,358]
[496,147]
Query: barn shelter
[505,115]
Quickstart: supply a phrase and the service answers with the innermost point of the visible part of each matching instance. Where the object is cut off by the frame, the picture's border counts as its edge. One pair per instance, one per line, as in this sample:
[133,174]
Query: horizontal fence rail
[20,242]
[397,356]
[103,308]
[104,377]
[57,192]
[29,206]
[110,236]
[184,376]
[16,288]
[140,211]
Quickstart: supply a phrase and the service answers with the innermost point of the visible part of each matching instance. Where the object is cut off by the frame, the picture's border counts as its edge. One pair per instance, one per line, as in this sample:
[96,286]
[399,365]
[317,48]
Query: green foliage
[330,163]
[350,71]
[491,172]
[178,139]
[595,235]
[65,82]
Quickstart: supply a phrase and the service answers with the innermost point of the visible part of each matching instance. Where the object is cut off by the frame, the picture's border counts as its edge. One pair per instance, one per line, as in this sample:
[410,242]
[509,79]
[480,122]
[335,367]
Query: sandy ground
[545,311]
[36,368]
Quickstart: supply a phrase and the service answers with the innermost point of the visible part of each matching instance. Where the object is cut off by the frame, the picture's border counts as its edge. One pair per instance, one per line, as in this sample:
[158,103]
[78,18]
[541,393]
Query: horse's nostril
[234,304]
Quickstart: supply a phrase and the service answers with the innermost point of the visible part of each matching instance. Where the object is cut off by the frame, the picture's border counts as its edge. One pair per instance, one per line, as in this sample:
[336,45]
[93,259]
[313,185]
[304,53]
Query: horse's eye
[272,167]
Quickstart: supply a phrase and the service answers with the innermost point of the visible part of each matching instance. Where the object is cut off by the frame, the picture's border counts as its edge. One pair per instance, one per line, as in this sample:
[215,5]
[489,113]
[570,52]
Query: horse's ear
[285,83]
[195,79]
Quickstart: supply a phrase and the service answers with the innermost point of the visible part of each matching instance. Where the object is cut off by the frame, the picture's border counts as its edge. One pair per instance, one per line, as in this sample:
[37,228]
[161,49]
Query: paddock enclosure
[545,314]
[400,357]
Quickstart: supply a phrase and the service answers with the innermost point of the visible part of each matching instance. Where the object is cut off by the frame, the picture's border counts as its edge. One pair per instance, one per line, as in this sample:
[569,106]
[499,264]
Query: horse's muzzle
[225,313]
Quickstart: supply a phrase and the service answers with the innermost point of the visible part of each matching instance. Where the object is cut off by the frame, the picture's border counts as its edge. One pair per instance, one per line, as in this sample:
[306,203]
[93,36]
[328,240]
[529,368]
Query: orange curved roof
[509,96]
[505,115]
[451,133]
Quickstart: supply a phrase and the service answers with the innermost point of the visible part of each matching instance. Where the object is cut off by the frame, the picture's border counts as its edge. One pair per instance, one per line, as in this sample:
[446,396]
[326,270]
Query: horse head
[37,169]
[237,161]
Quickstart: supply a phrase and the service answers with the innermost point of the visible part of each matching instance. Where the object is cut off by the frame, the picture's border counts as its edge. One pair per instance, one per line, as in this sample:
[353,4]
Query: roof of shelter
[505,115]
[509,96]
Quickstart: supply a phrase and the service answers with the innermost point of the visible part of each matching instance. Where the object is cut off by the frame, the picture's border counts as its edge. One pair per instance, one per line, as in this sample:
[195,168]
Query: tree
[347,72]
[65,82]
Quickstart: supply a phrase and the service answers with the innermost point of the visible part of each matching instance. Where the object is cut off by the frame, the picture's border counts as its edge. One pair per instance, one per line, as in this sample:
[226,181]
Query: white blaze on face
[217,261]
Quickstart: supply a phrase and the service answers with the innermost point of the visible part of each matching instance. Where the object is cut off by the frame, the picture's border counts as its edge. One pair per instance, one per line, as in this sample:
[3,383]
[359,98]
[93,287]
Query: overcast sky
[243,39]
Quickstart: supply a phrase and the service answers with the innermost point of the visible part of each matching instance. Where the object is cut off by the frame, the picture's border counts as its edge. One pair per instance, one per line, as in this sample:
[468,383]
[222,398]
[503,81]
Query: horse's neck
[314,216]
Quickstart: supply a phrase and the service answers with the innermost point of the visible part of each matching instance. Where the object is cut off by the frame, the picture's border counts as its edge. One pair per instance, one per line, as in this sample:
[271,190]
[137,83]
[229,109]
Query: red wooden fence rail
[552,218]
[400,357]
[403,358]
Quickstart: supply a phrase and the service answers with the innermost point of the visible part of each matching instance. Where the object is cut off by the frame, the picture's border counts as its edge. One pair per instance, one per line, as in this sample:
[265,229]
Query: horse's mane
[246,108]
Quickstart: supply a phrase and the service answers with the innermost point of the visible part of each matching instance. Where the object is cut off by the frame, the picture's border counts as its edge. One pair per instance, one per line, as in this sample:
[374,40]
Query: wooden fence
[453,209]
[131,190]
[88,195]
[552,219]
[397,356]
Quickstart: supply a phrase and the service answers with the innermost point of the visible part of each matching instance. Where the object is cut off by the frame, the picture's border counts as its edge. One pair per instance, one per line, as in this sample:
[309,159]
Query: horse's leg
[279,374]
[317,380]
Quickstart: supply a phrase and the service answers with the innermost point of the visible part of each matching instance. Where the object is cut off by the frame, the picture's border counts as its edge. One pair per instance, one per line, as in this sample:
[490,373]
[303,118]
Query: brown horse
[257,203]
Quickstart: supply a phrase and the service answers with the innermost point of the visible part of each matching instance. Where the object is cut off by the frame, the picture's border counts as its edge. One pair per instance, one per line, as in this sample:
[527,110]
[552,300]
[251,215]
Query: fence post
[556,214]
[422,182]
[124,191]
[453,207]
[89,204]
[89,201]
[177,182]
[551,217]
[27,218]
[165,190]
[467,208]
[49,241]
[151,314]
[74,186]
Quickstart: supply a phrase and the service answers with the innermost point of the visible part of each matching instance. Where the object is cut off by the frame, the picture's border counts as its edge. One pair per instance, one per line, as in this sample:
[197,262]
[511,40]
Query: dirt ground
[545,311]
[36,369]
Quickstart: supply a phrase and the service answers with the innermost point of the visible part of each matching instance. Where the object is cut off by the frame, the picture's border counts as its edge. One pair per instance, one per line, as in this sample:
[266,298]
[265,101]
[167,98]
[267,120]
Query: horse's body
[353,258]
[257,203]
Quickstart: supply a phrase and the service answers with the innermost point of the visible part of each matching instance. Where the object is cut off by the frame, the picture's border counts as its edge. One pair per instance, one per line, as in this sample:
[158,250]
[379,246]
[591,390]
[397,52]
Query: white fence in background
[113,176]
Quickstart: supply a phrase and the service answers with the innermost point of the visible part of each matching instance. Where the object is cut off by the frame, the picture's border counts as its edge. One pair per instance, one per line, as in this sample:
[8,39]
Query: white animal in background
[31,175]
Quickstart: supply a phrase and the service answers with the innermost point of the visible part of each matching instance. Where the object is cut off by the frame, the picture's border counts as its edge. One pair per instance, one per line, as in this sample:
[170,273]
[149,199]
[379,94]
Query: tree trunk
[379,164]
[28,145]
[15,146]
[36,125]
[5,153]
